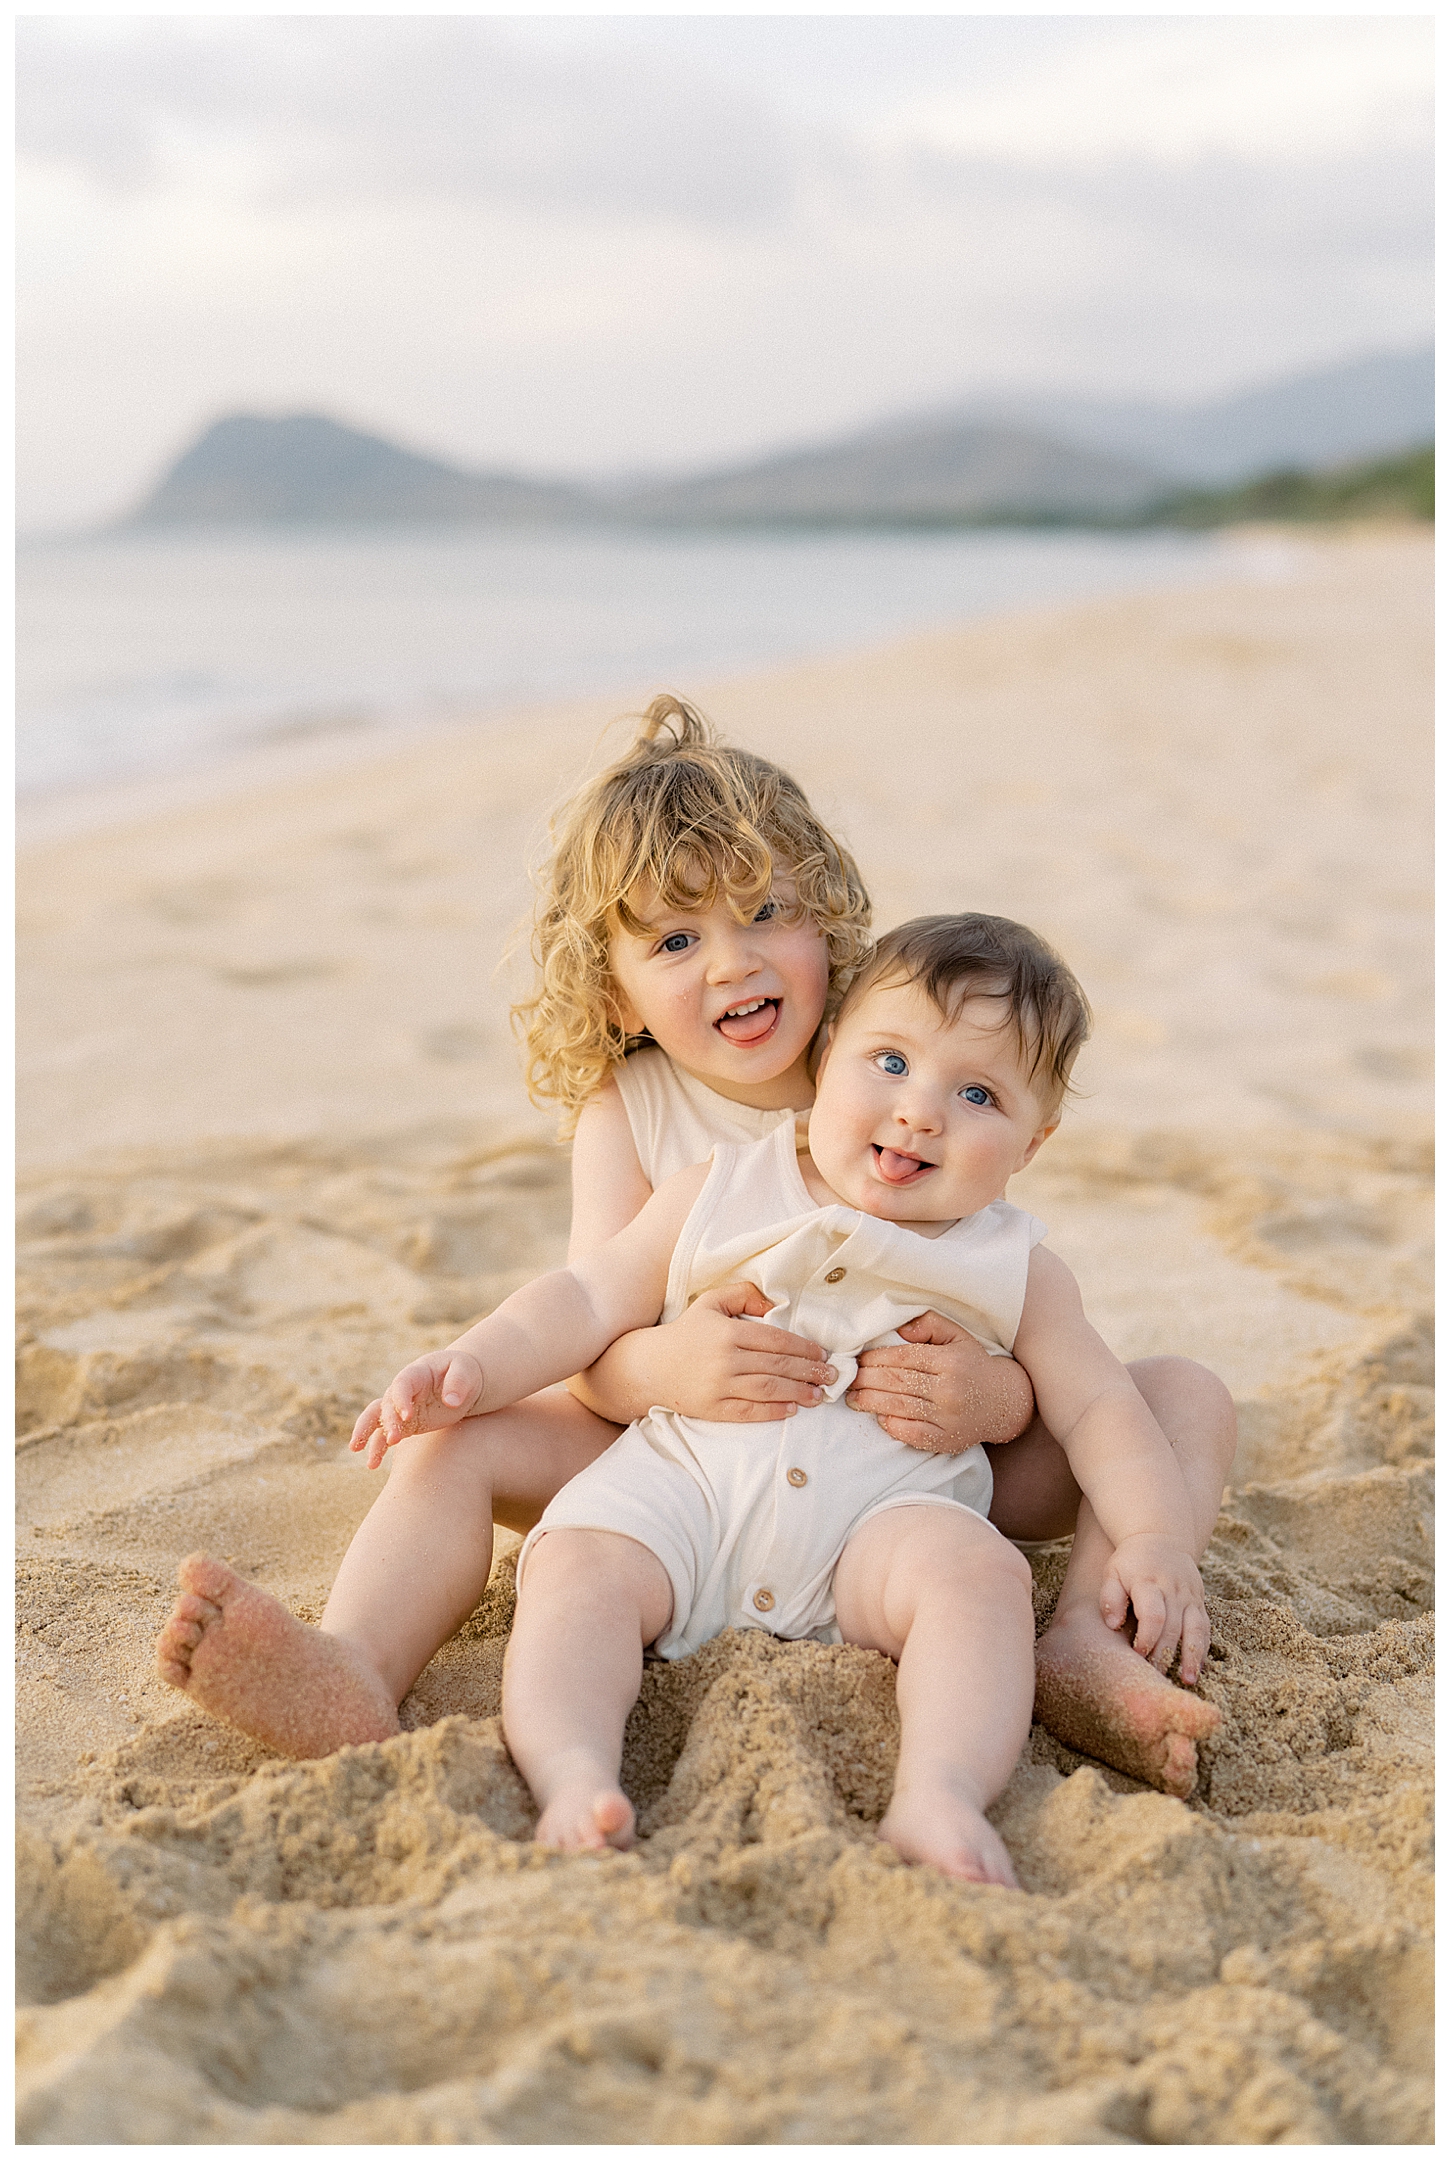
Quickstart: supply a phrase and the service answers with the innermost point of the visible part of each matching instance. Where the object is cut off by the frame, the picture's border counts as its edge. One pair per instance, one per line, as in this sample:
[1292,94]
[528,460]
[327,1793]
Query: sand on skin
[272,1137]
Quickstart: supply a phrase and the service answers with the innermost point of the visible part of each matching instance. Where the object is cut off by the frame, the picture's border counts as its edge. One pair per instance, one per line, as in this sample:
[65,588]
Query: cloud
[321,108]
[1177,90]
[581,241]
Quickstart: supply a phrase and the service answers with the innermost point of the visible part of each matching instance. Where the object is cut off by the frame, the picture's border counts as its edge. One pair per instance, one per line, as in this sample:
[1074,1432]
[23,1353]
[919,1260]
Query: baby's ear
[1044,1133]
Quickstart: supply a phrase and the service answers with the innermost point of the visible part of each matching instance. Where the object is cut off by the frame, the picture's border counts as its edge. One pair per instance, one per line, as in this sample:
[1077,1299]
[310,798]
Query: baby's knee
[552,1556]
[965,1549]
[1009,1568]
[606,1560]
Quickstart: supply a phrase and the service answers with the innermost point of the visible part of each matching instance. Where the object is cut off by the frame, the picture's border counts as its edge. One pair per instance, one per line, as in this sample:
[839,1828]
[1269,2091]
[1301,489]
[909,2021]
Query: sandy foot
[931,1821]
[1097,1694]
[241,1655]
[583,1818]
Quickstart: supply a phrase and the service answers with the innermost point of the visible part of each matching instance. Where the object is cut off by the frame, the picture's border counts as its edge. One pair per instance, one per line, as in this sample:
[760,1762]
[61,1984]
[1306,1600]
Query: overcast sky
[594,243]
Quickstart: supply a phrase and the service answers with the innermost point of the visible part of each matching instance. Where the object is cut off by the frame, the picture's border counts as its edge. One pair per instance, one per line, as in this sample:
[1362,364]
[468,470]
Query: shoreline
[69,809]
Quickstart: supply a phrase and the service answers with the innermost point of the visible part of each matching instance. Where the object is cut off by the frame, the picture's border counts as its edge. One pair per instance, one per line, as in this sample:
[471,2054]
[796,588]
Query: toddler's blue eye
[893,1062]
[675,942]
[768,912]
[978,1096]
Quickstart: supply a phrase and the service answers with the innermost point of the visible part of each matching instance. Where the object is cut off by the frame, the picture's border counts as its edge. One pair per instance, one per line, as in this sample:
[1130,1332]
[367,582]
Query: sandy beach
[272,1138]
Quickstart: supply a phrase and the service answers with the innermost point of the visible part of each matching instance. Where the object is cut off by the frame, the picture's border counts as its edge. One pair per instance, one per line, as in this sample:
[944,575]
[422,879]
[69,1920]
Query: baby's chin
[909,1204]
[923,1201]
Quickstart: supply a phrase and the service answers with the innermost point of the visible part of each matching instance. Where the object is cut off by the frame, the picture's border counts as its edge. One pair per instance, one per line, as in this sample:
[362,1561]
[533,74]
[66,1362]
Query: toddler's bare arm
[712,1362]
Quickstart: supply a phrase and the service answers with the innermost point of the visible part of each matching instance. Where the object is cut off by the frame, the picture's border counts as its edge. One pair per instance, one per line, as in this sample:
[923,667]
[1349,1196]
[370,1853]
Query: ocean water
[156,654]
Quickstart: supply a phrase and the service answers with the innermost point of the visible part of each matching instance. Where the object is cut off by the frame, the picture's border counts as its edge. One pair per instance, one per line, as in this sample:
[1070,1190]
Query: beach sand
[273,1138]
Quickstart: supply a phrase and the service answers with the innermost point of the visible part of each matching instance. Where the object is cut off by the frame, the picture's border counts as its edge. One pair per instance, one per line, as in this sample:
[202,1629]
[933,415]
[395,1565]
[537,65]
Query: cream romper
[675,1119]
[749,1521]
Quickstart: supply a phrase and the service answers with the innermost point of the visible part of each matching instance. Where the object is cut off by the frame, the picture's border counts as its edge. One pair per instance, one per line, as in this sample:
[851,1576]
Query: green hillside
[1382,487]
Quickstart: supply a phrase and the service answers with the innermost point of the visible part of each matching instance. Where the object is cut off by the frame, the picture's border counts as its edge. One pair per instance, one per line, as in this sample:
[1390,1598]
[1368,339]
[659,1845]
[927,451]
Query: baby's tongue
[898,1168]
[747,1027]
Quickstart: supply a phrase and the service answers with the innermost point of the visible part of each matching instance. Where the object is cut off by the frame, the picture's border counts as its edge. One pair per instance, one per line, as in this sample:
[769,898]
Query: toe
[1180,1765]
[614,1818]
[207,1578]
[191,1608]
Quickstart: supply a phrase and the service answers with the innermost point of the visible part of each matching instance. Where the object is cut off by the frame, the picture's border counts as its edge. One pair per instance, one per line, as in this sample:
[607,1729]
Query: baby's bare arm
[541,1333]
[1119,1452]
[1123,1462]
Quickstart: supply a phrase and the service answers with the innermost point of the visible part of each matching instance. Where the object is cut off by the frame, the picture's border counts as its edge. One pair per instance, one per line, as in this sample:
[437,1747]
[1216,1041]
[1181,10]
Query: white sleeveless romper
[748,1521]
[676,1120]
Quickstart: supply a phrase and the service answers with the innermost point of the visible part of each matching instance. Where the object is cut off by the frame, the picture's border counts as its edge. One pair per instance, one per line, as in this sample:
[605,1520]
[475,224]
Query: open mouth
[749,1022]
[899,1169]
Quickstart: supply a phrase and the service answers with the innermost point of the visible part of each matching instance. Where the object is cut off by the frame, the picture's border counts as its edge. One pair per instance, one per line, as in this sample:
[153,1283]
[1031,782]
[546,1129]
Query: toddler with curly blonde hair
[697,922]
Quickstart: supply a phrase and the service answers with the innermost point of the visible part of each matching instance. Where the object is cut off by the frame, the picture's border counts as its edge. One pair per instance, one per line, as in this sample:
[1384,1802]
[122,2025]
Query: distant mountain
[1362,409]
[305,468]
[935,475]
[1030,460]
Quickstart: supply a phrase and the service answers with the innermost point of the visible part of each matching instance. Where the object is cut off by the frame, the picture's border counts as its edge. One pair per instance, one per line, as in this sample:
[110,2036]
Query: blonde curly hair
[699,820]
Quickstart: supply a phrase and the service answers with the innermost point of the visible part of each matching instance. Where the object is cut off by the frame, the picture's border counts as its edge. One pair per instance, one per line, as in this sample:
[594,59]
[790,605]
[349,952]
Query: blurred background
[375,369]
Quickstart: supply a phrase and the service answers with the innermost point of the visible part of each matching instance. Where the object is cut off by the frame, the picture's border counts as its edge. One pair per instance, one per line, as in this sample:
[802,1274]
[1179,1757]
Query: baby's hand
[1162,1584]
[440,1389]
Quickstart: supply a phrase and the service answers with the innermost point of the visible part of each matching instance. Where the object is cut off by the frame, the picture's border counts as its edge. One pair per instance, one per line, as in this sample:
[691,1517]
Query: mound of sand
[221,1947]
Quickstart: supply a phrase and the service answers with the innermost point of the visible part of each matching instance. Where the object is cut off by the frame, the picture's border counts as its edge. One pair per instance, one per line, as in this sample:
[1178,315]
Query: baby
[944,1073]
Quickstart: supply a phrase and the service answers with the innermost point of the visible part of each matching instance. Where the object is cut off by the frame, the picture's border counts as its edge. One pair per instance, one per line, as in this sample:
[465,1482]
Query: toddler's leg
[1093,1689]
[589,1603]
[945,1595]
[416,1568]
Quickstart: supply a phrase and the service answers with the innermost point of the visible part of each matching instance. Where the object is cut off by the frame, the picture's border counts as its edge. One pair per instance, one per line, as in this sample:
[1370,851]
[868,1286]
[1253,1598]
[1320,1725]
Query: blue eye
[977,1096]
[768,912]
[676,942]
[891,1061]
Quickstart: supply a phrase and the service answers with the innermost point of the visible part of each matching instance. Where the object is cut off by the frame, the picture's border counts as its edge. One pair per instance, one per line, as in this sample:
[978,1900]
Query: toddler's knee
[457,1455]
[1179,1390]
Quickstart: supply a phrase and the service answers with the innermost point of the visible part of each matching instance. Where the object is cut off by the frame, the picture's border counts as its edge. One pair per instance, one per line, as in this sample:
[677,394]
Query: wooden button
[795,1477]
[837,1274]
[764,1599]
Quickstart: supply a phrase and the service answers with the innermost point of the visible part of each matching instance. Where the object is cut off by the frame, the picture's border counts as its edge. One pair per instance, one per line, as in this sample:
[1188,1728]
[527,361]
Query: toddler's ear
[631,1022]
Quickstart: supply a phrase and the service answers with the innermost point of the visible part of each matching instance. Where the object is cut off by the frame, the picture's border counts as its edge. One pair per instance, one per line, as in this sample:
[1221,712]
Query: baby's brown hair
[696,819]
[956,957]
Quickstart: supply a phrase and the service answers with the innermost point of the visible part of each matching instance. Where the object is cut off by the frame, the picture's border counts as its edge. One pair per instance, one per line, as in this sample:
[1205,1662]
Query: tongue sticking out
[896,1169]
[752,1027]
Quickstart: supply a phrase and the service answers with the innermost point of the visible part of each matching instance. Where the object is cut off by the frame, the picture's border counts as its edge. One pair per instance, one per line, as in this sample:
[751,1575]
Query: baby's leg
[1093,1689]
[589,1602]
[415,1570]
[940,1591]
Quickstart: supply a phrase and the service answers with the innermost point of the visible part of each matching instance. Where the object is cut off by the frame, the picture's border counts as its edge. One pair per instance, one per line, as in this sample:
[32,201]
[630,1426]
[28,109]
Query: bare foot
[584,1818]
[935,1821]
[1097,1694]
[241,1655]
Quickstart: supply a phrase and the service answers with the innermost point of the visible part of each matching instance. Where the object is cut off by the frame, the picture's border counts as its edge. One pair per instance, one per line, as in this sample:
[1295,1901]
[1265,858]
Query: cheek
[808,964]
